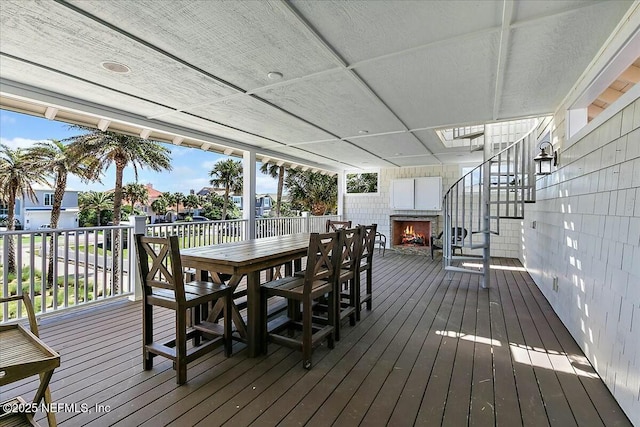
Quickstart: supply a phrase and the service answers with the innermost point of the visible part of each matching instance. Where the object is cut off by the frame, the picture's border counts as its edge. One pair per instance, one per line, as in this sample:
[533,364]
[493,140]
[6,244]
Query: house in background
[35,214]
[264,203]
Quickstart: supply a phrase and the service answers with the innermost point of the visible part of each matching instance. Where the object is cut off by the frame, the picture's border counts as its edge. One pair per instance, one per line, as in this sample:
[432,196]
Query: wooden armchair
[164,286]
[33,358]
[336,225]
[319,281]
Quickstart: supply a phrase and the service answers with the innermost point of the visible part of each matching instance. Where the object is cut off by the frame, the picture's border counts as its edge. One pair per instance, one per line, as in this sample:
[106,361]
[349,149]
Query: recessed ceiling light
[115,67]
[363,132]
[274,75]
[397,154]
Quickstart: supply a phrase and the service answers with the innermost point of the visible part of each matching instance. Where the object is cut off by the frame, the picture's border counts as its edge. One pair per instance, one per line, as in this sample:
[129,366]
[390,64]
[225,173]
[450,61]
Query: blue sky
[190,166]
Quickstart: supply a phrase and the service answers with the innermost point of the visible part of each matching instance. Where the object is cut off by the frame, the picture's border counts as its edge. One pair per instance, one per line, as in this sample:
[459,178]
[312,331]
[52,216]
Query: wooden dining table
[246,258]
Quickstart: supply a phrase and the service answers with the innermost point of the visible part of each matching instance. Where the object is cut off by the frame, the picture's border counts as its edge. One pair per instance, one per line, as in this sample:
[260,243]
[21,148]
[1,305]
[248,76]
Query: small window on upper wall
[362,183]
[48,199]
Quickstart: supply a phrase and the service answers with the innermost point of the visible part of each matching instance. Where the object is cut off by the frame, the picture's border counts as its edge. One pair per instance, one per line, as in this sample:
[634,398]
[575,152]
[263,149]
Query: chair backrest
[336,225]
[368,240]
[351,248]
[458,234]
[160,265]
[321,264]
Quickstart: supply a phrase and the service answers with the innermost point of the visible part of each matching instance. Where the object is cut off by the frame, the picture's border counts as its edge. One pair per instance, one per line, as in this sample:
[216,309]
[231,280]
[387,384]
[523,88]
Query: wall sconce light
[545,160]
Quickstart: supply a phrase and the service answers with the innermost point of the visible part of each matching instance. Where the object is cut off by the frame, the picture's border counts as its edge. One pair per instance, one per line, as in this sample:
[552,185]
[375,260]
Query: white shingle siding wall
[588,235]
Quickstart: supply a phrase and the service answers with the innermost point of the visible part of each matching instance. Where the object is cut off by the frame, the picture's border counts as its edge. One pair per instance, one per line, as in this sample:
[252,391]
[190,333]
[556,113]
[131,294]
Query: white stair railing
[473,206]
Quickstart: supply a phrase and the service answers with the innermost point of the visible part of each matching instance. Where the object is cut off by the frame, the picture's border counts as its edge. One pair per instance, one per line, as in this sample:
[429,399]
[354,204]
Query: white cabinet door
[428,193]
[402,191]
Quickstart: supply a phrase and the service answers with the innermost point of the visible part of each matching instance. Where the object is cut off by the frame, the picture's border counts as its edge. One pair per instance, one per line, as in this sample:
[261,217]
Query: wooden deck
[432,352]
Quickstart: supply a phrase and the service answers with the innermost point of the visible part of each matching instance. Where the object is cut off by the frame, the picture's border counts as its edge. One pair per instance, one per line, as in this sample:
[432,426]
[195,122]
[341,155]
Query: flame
[409,230]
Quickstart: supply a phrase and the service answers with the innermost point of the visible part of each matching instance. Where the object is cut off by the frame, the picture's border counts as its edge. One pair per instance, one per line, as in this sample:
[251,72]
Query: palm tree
[275,171]
[59,159]
[168,198]
[159,206]
[99,201]
[313,191]
[227,174]
[178,198]
[134,193]
[17,173]
[122,150]
[191,201]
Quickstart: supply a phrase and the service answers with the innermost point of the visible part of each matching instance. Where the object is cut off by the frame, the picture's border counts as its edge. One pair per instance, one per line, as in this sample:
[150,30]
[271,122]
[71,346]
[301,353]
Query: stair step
[478,148]
[472,135]
[466,257]
[472,246]
[463,270]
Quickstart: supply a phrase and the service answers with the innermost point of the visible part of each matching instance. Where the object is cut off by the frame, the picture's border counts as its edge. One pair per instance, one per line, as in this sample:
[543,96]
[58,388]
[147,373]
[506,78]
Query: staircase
[494,190]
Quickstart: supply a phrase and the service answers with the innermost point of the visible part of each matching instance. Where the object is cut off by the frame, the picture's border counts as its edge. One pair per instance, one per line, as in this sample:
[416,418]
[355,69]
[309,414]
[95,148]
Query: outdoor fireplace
[411,231]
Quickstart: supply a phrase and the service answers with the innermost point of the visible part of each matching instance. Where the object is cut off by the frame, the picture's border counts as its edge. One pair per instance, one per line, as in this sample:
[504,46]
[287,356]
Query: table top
[23,354]
[248,252]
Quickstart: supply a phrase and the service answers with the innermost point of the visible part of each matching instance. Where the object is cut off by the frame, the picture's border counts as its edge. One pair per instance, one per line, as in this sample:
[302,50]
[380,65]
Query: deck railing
[83,270]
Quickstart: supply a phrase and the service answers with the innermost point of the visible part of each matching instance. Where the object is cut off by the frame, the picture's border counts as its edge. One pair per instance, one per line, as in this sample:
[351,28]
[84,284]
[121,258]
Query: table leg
[237,318]
[253,314]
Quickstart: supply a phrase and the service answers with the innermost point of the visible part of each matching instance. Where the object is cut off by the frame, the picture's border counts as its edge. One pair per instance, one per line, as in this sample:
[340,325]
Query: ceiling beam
[503,50]
[50,113]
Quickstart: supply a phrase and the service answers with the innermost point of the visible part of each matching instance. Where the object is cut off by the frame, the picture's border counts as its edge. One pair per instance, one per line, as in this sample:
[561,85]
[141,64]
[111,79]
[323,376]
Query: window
[48,199]
[3,209]
[362,183]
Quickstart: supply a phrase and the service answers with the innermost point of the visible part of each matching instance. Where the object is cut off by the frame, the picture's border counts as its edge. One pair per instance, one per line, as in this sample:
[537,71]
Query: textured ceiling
[364,83]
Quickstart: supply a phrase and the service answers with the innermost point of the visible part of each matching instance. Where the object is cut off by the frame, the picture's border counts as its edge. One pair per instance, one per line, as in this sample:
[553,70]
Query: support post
[249,192]
[139,224]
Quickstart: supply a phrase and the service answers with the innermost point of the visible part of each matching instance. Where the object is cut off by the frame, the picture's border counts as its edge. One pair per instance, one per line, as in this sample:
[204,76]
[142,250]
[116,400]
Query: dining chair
[347,282]
[164,286]
[369,236]
[336,225]
[319,280]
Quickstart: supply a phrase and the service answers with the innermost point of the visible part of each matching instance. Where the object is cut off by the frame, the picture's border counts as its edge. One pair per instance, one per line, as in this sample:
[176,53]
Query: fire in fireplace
[410,237]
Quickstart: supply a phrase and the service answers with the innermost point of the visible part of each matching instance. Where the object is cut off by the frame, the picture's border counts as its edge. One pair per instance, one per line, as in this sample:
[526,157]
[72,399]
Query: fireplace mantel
[413,217]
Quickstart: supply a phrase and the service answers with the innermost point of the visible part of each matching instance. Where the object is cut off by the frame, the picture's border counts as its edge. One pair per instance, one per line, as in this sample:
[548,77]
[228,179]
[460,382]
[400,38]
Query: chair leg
[331,319]
[358,296]
[353,301]
[228,300]
[336,302]
[181,347]
[147,325]
[369,287]
[307,333]
[264,341]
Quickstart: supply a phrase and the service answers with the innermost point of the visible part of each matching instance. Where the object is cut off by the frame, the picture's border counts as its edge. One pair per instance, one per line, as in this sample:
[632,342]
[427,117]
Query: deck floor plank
[434,350]
[460,387]
[384,290]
